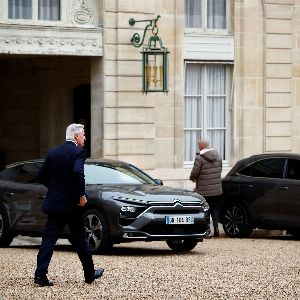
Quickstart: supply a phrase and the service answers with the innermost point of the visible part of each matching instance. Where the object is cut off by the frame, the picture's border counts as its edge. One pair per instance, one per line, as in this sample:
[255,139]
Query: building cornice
[50,40]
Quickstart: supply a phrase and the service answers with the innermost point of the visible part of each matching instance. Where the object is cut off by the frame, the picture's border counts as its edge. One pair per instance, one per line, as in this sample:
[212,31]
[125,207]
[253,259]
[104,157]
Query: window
[34,9]
[49,9]
[19,9]
[269,168]
[293,169]
[206,14]
[28,173]
[246,171]
[206,107]
[102,173]
[9,173]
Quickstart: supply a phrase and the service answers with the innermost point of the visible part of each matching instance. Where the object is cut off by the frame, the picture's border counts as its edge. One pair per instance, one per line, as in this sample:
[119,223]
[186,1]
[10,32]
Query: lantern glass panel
[154,71]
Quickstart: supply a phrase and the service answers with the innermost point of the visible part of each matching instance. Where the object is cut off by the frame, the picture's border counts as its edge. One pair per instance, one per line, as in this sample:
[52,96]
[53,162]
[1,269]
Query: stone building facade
[233,78]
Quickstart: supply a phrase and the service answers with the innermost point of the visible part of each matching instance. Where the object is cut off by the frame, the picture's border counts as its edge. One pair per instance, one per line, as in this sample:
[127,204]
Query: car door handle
[10,194]
[42,197]
[283,187]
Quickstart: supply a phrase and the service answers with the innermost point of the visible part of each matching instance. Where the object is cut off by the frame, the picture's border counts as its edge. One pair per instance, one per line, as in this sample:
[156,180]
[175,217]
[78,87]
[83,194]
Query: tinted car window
[270,168]
[246,171]
[293,169]
[28,173]
[114,174]
[9,173]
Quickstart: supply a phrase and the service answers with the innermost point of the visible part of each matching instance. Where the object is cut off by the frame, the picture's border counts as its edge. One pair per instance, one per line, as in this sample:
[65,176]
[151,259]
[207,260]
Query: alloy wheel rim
[93,228]
[234,220]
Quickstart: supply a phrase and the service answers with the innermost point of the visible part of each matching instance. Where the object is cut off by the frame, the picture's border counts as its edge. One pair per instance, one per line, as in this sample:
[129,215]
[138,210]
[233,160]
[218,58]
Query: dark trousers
[214,203]
[53,228]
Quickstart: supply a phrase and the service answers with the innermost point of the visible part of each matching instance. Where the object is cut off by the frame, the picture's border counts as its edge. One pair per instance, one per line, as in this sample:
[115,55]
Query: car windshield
[103,173]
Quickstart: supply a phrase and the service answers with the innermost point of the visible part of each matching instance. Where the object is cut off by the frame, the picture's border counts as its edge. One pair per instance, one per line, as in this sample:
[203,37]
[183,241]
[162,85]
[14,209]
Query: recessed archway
[82,111]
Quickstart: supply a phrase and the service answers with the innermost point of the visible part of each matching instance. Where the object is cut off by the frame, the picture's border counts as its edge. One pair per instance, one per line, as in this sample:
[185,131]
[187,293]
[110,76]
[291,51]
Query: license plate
[179,220]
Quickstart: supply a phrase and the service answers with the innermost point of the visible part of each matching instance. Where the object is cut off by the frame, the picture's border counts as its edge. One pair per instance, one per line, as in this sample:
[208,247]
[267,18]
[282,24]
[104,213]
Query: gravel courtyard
[223,268]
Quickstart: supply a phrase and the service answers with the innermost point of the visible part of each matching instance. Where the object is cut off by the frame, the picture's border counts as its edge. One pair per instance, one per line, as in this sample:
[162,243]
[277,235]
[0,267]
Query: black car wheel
[6,236]
[295,233]
[235,221]
[96,230]
[182,245]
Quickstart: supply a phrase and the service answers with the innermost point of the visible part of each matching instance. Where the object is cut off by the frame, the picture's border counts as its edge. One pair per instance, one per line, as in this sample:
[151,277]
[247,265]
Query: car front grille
[171,203]
[171,212]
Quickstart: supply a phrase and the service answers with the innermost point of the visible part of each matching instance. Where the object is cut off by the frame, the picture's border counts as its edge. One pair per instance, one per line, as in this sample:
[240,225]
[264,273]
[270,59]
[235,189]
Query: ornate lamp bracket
[136,38]
[154,58]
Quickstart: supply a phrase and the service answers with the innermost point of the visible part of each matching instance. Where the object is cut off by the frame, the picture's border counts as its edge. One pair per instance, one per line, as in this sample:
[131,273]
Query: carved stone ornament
[84,14]
[90,45]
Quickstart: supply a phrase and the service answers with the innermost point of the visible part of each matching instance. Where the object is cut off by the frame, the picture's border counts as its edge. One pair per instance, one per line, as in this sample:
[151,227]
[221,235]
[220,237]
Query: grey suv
[124,204]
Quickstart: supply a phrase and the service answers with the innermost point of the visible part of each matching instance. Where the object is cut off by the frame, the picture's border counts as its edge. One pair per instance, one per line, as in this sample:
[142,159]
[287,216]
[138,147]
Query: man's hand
[192,179]
[82,201]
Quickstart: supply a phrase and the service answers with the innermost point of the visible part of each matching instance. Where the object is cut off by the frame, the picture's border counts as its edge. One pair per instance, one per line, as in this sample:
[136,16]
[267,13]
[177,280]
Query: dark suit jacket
[63,175]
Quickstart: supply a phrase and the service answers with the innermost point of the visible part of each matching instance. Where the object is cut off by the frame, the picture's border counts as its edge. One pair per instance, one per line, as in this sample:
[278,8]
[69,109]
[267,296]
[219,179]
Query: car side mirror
[159,181]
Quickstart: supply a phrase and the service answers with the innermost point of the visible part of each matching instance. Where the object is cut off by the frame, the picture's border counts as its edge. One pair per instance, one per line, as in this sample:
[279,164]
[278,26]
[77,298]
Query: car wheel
[182,245]
[6,236]
[295,233]
[236,221]
[96,230]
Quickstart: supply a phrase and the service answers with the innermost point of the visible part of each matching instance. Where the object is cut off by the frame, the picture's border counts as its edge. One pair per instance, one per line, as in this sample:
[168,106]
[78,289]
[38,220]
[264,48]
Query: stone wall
[266,63]
[139,128]
[295,131]
[278,75]
[248,76]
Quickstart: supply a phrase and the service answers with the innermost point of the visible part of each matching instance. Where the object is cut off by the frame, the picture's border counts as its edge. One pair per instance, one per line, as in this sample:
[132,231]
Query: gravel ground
[222,268]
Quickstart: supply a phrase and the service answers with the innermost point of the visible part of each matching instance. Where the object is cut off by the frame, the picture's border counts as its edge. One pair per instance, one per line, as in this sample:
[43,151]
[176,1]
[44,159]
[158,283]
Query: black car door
[289,196]
[258,189]
[24,197]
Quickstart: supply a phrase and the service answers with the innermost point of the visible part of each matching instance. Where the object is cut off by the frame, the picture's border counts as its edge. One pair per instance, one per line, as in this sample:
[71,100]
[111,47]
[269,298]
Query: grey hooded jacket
[206,173]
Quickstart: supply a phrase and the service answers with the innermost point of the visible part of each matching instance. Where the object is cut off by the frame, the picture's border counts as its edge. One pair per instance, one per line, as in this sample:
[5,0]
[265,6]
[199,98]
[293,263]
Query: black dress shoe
[97,274]
[42,281]
[216,233]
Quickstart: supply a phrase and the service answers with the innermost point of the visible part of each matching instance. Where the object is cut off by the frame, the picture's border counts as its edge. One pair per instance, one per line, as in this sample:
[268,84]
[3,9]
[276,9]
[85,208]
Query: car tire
[295,233]
[97,231]
[182,245]
[6,236]
[236,221]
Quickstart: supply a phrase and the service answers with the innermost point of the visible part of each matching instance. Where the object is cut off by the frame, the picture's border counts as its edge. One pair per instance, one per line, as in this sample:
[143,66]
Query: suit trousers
[214,203]
[53,228]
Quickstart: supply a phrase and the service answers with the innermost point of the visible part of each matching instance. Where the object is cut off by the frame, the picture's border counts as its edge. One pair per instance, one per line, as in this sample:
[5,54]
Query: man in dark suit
[63,175]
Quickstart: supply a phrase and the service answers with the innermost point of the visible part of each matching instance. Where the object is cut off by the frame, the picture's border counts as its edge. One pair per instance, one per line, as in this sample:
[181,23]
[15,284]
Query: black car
[124,204]
[262,191]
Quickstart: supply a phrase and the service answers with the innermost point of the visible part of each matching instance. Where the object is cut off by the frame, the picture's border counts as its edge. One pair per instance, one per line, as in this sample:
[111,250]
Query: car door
[258,189]
[289,196]
[24,196]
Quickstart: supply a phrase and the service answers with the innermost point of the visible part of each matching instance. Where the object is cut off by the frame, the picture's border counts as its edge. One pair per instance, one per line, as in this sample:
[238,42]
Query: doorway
[82,111]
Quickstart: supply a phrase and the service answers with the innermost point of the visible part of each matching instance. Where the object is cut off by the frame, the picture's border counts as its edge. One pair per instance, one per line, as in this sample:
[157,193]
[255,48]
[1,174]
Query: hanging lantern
[154,59]
[155,67]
